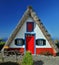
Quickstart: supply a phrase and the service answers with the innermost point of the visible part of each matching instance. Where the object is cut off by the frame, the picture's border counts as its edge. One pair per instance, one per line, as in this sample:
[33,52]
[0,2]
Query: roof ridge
[43,29]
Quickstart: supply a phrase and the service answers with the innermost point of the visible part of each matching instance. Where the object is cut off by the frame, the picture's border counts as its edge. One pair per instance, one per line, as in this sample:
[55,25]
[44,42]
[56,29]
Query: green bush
[27,59]
[2,43]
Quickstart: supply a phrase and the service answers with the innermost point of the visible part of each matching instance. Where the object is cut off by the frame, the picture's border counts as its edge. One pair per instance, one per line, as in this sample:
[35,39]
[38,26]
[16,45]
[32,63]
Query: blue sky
[11,12]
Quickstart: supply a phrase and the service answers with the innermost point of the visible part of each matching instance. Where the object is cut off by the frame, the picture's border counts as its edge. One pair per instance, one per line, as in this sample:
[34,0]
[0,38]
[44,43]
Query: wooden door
[30,40]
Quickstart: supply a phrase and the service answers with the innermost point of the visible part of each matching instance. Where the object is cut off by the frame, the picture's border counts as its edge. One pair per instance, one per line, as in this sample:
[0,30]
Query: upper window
[30,26]
[40,42]
[19,42]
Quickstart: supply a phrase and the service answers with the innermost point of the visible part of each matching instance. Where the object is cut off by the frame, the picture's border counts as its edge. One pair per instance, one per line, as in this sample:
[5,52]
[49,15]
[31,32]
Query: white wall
[22,31]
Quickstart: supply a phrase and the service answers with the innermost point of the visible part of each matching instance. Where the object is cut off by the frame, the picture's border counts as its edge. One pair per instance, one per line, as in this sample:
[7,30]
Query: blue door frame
[34,41]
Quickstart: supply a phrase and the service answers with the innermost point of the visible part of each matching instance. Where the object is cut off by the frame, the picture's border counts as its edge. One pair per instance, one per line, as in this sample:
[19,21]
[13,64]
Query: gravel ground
[46,60]
[38,59]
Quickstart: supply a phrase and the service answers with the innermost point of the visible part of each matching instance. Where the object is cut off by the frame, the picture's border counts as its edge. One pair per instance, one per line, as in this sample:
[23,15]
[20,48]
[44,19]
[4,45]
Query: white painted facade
[37,31]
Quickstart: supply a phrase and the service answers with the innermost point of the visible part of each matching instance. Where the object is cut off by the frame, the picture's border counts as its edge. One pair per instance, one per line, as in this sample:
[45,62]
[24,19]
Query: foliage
[2,43]
[56,42]
[57,45]
[1,39]
[27,59]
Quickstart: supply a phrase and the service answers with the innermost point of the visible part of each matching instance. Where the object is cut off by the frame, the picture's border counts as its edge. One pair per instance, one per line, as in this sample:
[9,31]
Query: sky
[11,12]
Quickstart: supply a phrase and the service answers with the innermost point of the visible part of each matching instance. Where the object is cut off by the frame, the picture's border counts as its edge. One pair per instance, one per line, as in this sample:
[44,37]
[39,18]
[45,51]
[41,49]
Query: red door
[30,38]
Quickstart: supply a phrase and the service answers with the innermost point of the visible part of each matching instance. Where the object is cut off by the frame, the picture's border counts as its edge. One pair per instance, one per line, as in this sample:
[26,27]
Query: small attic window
[40,42]
[30,26]
[19,42]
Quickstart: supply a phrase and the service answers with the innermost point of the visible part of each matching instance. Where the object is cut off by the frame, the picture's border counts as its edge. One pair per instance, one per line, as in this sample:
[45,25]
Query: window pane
[40,42]
[19,42]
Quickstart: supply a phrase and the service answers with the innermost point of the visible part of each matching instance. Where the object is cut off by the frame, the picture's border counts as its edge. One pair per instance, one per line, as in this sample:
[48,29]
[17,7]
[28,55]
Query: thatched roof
[30,12]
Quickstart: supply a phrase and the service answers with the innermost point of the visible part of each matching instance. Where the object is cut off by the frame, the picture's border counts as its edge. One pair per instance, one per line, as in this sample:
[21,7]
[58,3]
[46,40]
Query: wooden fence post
[2,55]
[16,56]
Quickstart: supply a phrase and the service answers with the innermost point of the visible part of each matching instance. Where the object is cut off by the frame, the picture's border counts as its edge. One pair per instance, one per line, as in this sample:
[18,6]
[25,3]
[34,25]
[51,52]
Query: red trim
[44,50]
[38,50]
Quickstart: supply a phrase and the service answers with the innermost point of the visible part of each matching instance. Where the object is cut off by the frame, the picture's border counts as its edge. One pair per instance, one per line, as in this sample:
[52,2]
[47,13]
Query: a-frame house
[31,35]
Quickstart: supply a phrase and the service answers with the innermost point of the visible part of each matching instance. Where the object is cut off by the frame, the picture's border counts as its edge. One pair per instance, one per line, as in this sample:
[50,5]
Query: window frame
[41,44]
[18,44]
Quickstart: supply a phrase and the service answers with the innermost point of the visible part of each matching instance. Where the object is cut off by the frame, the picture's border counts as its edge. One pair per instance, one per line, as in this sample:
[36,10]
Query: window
[30,26]
[40,42]
[19,42]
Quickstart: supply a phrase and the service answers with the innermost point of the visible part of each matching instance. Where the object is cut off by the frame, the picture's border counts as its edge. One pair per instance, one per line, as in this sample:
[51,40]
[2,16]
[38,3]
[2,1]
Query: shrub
[27,59]
[2,43]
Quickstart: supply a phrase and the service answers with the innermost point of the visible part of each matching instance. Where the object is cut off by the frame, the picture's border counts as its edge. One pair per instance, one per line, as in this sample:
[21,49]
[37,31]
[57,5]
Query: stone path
[46,60]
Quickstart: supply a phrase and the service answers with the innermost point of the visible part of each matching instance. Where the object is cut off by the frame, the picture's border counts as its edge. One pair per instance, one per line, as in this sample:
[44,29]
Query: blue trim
[18,38]
[40,39]
[34,42]
[25,46]
[27,27]
[29,32]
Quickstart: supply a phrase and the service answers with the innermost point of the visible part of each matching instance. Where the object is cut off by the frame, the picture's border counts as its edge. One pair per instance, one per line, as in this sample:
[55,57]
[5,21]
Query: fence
[10,56]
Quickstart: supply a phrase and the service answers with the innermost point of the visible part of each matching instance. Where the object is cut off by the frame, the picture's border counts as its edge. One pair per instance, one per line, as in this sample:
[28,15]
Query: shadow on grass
[38,62]
[9,63]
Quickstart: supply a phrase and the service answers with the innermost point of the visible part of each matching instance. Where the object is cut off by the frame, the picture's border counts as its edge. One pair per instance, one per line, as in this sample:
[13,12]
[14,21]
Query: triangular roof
[30,12]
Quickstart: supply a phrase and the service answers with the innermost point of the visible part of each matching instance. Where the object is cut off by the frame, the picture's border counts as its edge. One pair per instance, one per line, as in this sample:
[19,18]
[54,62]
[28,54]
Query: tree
[1,39]
[1,43]
[56,42]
